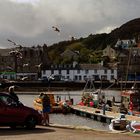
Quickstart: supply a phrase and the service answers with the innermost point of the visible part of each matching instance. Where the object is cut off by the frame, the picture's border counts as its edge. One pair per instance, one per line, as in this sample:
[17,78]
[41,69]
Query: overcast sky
[29,22]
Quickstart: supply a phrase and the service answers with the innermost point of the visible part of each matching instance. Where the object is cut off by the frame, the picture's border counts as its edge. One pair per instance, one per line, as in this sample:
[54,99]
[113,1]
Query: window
[105,71]
[44,72]
[112,71]
[86,71]
[85,77]
[75,77]
[95,71]
[52,71]
[68,72]
[112,77]
[78,71]
[7,100]
[59,71]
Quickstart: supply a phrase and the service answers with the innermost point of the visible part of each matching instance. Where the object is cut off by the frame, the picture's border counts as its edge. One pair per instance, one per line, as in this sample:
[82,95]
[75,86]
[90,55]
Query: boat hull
[134,127]
[60,107]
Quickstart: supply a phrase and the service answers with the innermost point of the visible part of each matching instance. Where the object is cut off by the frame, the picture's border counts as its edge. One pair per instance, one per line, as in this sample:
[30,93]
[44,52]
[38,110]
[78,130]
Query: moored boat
[131,101]
[118,124]
[134,127]
[90,95]
[56,107]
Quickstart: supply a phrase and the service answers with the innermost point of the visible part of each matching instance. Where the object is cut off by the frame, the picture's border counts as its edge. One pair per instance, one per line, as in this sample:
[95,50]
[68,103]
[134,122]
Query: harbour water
[72,119]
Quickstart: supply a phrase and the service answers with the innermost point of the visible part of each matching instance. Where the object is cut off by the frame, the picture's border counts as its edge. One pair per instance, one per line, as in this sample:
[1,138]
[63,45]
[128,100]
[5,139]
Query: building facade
[28,64]
[80,72]
[129,64]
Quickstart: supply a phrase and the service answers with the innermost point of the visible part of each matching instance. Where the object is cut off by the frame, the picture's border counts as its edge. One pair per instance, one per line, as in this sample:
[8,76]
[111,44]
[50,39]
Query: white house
[80,72]
[125,43]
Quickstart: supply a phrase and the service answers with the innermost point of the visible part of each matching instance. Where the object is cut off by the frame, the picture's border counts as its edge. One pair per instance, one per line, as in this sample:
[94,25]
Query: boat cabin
[131,101]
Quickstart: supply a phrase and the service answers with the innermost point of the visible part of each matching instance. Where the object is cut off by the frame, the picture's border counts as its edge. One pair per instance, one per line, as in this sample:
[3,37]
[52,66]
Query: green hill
[95,43]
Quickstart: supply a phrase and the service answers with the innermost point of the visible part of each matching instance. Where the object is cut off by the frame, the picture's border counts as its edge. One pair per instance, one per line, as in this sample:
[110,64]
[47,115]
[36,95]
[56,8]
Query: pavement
[60,132]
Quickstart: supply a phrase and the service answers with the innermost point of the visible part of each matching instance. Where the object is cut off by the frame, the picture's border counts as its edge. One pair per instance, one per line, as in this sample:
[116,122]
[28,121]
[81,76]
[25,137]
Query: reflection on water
[72,119]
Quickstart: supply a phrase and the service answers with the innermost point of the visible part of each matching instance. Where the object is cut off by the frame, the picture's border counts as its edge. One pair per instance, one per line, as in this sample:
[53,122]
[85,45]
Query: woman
[46,108]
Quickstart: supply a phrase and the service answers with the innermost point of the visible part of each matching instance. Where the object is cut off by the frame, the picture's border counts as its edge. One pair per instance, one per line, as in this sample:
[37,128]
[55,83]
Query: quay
[71,85]
[97,114]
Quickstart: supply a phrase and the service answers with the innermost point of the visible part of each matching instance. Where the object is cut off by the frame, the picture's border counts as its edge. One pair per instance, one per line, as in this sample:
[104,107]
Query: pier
[97,114]
[60,85]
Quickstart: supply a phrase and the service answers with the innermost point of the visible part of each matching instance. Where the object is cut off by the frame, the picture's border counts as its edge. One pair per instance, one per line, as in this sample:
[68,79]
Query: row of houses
[81,72]
[127,53]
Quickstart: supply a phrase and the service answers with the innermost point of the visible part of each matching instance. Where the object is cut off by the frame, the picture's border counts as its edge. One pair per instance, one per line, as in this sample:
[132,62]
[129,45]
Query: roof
[91,66]
[129,92]
[5,52]
[69,52]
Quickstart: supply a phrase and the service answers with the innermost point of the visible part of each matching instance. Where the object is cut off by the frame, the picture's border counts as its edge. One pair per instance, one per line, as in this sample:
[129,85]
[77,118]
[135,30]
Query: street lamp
[39,69]
[15,53]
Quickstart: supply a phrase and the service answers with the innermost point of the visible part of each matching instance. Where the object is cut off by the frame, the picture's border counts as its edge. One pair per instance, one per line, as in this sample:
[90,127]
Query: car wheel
[30,122]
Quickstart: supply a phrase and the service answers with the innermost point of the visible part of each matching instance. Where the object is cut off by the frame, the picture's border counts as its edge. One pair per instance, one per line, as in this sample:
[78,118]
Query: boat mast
[128,65]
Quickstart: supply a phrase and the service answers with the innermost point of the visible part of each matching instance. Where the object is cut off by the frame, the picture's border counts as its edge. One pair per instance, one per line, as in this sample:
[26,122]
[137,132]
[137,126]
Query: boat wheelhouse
[131,101]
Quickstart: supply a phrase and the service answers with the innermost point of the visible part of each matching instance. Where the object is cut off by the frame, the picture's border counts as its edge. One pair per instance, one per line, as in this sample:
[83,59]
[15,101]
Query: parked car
[13,113]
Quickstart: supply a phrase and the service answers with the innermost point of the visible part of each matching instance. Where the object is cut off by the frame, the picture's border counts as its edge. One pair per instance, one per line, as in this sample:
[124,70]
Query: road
[55,132]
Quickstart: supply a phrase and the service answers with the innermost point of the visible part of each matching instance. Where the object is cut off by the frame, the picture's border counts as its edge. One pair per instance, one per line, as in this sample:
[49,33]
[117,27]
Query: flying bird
[55,29]
[14,43]
[9,68]
[25,65]
[39,65]
[24,78]
[16,53]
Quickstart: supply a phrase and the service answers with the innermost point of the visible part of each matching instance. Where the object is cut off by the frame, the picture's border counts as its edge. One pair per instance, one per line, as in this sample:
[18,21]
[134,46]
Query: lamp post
[39,69]
[16,54]
[24,66]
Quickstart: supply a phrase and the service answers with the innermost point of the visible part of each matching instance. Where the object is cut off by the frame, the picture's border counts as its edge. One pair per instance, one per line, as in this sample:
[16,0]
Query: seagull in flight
[14,43]
[55,29]
[25,65]
[39,65]
[16,53]
[24,78]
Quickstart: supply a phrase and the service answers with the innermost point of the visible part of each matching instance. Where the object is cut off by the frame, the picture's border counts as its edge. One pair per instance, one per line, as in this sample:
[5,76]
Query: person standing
[46,108]
[12,93]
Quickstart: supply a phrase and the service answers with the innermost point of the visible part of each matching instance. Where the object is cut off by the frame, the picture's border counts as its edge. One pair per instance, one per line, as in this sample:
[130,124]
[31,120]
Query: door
[2,115]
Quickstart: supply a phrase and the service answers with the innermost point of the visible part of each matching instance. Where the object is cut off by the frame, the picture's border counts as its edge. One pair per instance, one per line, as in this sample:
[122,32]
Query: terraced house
[80,72]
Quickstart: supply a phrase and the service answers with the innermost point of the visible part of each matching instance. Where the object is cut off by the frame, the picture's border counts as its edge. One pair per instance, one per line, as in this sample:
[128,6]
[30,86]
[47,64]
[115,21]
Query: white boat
[133,126]
[118,124]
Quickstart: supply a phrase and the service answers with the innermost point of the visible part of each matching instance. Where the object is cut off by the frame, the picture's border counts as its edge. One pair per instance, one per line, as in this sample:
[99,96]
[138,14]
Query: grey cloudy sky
[29,22]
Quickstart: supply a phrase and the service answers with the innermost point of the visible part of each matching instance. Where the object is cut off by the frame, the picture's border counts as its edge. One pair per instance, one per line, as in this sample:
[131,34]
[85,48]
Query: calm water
[72,119]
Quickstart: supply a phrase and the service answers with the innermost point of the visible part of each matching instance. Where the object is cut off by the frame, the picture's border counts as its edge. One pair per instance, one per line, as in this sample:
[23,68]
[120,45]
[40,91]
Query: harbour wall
[61,85]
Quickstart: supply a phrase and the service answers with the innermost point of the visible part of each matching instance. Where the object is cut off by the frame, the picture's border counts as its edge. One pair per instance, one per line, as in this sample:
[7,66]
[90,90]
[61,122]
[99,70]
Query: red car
[13,113]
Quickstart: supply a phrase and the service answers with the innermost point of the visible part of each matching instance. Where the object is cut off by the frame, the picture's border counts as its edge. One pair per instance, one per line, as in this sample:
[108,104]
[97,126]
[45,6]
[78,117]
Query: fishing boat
[131,100]
[93,97]
[90,95]
[56,106]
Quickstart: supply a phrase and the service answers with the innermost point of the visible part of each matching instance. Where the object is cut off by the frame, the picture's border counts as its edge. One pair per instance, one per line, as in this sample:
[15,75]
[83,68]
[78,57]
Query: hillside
[128,30]
[97,42]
